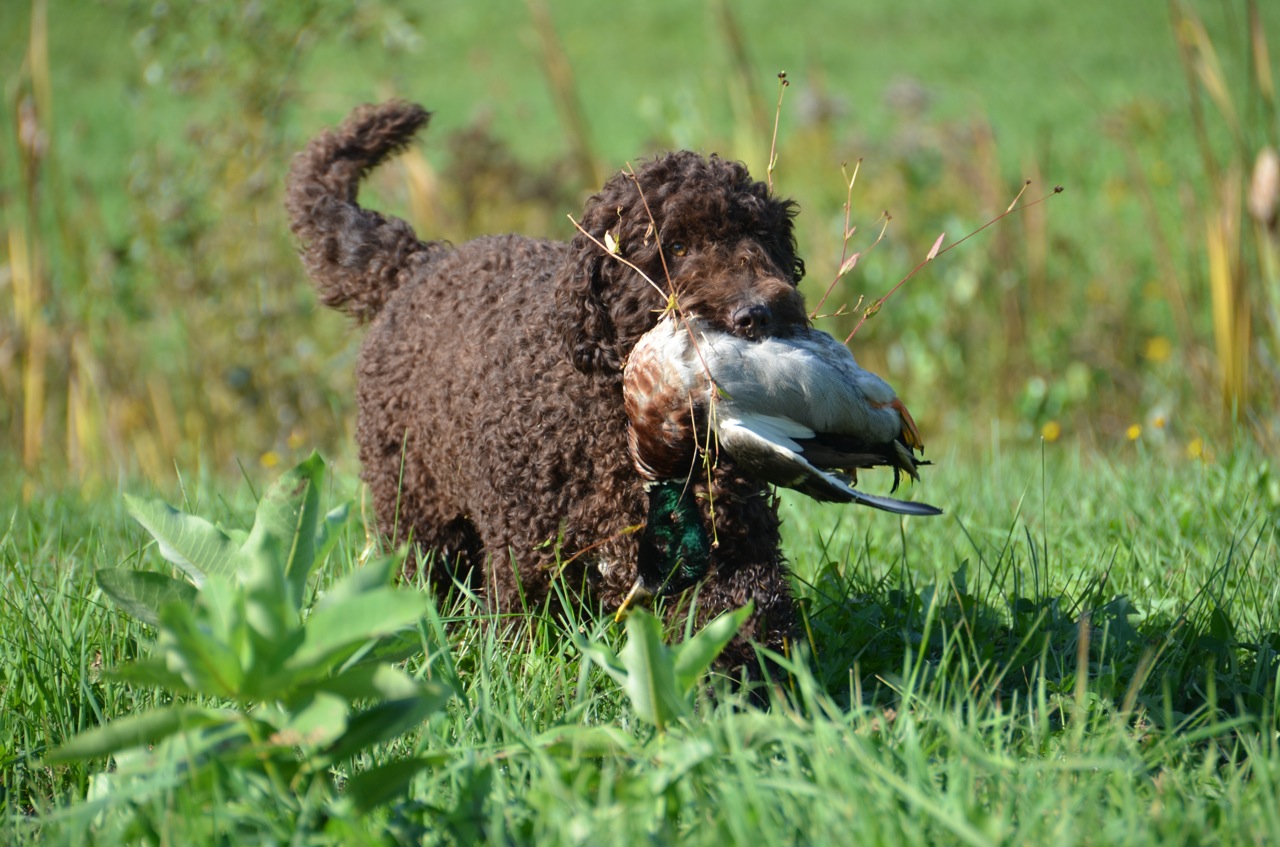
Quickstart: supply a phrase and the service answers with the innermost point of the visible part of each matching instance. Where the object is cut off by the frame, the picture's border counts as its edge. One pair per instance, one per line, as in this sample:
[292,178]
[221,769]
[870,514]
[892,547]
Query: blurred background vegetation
[152,310]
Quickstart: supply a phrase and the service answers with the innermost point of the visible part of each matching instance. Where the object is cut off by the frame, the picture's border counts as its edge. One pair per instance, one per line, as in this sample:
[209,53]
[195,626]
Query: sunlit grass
[1083,650]
[1080,650]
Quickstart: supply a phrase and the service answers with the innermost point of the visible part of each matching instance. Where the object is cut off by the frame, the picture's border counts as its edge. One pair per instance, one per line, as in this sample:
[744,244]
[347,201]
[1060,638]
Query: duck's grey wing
[811,378]
[770,448]
[847,453]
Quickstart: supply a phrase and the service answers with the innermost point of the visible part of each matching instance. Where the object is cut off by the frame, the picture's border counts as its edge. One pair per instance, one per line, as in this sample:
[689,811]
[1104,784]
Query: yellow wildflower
[1158,349]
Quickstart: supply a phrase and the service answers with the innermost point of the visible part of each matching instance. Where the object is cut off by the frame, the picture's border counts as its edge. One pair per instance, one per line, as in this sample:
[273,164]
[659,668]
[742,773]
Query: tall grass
[1240,274]
[1080,654]
[164,316]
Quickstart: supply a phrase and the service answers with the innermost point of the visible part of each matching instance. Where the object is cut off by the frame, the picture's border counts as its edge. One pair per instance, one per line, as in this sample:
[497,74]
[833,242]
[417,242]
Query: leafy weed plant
[305,685]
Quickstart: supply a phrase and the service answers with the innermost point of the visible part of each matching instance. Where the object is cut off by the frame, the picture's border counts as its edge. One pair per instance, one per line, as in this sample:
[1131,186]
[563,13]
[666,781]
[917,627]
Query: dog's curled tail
[356,256]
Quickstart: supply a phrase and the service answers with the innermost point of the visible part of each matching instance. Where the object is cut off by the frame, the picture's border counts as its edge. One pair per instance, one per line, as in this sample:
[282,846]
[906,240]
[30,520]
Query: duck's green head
[674,548]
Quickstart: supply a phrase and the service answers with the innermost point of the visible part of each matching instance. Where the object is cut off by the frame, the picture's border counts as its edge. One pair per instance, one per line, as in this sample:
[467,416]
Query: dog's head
[701,229]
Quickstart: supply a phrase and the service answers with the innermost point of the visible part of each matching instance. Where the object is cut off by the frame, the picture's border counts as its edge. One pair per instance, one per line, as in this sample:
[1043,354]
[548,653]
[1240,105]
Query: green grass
[944,698]
[1084,650]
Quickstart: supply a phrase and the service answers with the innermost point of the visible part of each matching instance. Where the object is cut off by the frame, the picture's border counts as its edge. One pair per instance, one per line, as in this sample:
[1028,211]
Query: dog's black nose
[752,321]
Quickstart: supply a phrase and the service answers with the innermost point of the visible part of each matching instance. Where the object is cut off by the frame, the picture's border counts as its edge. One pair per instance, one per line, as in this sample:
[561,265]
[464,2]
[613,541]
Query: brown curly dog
[491,421]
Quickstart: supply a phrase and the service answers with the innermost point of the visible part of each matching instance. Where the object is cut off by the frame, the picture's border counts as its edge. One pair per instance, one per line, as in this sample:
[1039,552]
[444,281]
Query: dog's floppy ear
[607,304]
[580,292]
[583,288]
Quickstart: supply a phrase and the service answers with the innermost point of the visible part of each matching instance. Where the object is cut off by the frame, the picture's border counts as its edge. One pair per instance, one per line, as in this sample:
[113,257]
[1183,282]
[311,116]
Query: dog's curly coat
[491,421]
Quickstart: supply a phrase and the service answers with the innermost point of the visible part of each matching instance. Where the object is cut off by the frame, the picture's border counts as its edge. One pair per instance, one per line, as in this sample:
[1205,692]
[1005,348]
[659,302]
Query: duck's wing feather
[769,447]
[889,504]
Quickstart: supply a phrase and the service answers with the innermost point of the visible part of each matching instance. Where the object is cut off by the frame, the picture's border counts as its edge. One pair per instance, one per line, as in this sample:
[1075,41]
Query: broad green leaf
[322,721]
[373,682]
[369,789]
[107,791]
[586,742]
[206,664]
[220,740]
[269,606]
[136,730]
[238,536]
[386,721]
[651,680]
[330,531]
[657,678]
[337,630]
[267,676]
[196,546]
[373,575]
[390,648]
[144,771]
[1220,626]
[693,657]
[676,760]
[151,671]
[604,657]
[288,513]
[220,608]
[143,593]
[274,624]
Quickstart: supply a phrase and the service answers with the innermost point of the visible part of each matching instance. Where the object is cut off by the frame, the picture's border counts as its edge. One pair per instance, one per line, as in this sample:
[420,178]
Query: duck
[795,411]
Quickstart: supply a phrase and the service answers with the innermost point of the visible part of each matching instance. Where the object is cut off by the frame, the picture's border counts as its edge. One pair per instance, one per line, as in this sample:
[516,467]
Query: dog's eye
[797,270]
[678,249]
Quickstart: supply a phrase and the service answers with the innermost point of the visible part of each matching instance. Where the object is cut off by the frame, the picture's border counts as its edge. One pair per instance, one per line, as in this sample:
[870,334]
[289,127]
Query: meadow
[1085,649]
